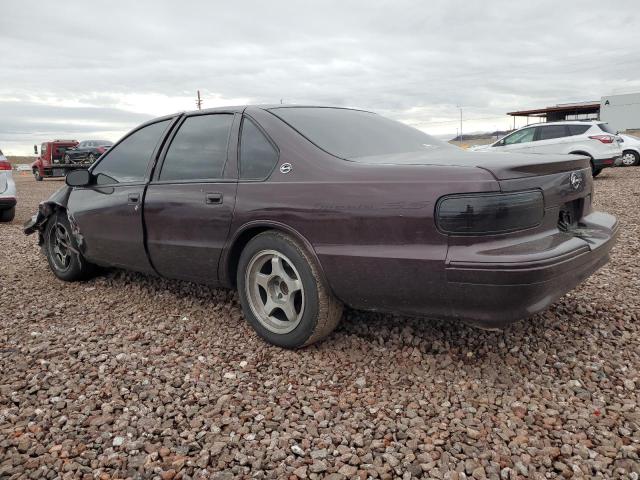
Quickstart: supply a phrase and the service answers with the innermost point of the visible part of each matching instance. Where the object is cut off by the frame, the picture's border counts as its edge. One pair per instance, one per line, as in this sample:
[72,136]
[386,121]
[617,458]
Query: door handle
[133,198]
[213,198]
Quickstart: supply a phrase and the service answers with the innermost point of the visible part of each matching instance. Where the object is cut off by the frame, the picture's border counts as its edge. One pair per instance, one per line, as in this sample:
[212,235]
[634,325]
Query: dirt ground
[127,376]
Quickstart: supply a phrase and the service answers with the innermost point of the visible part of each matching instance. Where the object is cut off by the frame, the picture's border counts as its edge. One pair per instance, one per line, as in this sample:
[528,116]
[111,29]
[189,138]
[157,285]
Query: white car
[7,191]
[593,139]
[630,150]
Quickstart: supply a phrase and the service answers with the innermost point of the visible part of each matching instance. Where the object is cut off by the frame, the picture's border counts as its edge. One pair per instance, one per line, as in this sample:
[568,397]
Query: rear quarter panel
[370,226]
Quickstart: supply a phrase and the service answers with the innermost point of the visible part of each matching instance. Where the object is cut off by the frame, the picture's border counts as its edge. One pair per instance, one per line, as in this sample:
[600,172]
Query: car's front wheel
[282,293]
[630,158]
[8,214]
[66,262]
[36,175]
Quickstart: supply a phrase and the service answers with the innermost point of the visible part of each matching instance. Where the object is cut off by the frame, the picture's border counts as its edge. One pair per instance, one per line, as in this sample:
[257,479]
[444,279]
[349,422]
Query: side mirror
[35,149]
[78,178]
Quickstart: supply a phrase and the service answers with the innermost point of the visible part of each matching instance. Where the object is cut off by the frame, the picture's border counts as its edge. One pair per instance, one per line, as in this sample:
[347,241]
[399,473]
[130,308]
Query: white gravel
[128,376]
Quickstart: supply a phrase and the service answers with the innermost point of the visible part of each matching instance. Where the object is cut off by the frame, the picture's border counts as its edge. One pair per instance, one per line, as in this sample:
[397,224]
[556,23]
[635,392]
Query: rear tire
[282,293]
[630,158]
[7,215]
[36,175]
[60,248]
[594,171]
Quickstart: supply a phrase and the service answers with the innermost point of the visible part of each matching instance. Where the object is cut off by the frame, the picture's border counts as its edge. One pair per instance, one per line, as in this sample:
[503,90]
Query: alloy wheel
[275,291]
[628,159]
[59,242]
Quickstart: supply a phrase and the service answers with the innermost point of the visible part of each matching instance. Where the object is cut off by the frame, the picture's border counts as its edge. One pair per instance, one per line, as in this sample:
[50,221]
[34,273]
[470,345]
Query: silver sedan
[7,191]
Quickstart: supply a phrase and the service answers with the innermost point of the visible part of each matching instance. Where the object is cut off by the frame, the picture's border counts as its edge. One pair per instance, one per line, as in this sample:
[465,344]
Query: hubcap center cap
[278,289]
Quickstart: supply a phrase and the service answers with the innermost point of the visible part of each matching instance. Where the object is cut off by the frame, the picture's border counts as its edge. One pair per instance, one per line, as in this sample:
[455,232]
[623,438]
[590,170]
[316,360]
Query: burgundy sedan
[307,209]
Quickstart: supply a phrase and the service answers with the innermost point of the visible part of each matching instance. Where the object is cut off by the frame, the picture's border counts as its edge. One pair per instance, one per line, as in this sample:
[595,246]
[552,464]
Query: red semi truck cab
[50,162]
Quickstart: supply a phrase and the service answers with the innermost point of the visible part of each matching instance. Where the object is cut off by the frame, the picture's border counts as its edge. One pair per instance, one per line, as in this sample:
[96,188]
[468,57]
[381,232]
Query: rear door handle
[213,198]
[133,198]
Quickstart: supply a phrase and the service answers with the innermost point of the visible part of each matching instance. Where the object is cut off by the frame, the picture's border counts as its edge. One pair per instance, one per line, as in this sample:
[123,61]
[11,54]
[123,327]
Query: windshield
[352,134]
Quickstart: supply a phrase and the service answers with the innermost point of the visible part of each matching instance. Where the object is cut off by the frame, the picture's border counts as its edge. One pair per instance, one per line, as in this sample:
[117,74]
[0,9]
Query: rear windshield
[606,128]
[352,134]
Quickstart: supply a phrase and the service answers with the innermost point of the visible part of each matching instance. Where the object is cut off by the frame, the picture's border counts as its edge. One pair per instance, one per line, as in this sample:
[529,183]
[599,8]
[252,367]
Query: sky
[83,70]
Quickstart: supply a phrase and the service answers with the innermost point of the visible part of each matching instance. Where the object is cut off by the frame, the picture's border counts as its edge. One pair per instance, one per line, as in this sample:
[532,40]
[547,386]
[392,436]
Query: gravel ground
[128,376]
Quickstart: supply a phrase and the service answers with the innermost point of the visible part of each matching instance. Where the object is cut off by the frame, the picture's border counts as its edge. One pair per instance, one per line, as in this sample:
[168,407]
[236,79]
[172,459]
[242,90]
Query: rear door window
[257,155]
[128,161]
[550,132]
[199,148]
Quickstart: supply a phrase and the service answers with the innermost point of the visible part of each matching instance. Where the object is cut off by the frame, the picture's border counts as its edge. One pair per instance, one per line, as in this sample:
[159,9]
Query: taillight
[492,213]
[101,150]
[4,165]
[603,138]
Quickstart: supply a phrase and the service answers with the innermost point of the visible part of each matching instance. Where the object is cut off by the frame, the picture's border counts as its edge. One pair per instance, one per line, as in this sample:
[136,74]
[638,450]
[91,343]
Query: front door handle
[213,198]
[133,198]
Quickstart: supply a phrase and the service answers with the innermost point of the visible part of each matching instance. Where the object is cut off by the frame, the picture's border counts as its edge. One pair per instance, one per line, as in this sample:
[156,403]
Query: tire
[630,158]
[594,171]
[66,263]
[36,175]
[8,214]
[275,270]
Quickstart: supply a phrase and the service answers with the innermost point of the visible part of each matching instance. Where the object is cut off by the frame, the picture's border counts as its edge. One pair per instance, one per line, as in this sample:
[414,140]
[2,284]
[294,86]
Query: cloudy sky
[96,69]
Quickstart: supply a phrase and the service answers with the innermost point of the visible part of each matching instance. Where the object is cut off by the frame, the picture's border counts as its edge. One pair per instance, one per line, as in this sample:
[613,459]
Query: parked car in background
[593,139]
[630,150]
[87,151]
[7,191]
[305,209]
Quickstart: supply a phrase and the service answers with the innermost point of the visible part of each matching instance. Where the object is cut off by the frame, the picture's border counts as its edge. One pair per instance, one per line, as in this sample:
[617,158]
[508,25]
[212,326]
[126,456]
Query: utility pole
[460,107]
[199,101]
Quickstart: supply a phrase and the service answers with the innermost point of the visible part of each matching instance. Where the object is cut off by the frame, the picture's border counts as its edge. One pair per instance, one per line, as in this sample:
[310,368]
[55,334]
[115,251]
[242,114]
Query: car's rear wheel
[595,172]
[630,158]
[36,175]
[282,293]
[7,214]
[66,262]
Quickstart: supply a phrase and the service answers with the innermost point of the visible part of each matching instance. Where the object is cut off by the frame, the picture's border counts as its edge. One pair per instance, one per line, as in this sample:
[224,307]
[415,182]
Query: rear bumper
[7,202]
[607,162]
[492,294]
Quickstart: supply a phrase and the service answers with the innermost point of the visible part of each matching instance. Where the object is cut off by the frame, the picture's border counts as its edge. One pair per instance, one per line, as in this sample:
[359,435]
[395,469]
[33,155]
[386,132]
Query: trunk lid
[502,165]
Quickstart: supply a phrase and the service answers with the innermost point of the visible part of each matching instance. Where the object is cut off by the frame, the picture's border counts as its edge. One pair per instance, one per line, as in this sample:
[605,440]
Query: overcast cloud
[96,69]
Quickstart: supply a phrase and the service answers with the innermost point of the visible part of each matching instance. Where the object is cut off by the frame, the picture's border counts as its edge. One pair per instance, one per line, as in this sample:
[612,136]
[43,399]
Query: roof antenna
[199,101]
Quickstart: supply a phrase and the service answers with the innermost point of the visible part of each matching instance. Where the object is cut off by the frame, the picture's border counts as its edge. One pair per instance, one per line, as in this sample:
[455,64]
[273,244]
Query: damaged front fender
[47,208]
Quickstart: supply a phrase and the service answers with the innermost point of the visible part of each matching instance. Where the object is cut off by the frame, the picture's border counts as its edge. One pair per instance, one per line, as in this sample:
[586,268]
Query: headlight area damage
[47,208]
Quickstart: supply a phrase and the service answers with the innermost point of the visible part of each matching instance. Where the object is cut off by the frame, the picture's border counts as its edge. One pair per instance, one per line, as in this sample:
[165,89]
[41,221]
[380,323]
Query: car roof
[566,122]
[242,108]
